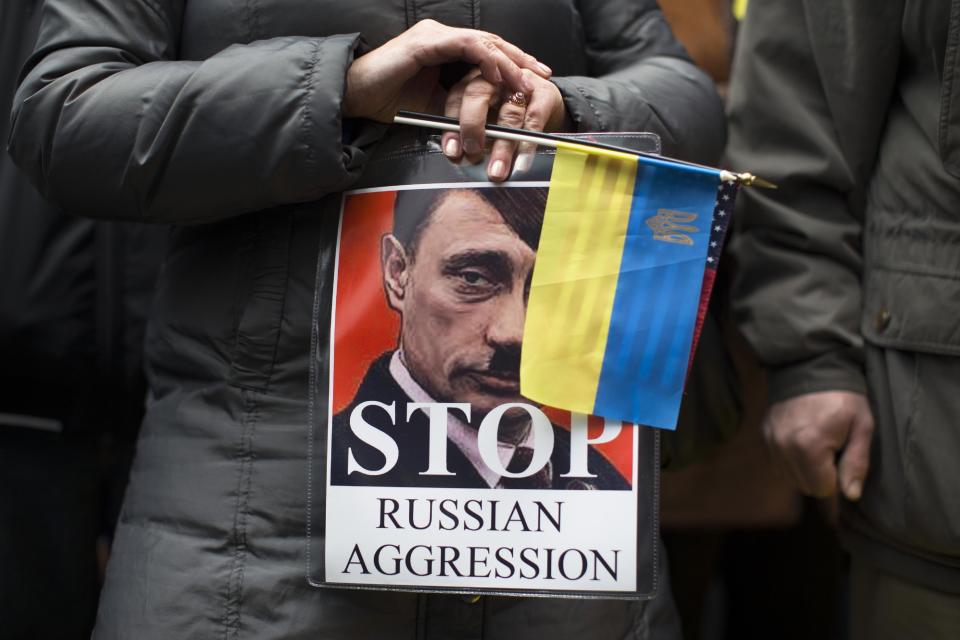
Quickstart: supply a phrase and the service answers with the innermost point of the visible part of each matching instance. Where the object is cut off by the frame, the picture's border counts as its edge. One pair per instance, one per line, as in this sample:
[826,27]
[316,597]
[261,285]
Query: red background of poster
[366,327]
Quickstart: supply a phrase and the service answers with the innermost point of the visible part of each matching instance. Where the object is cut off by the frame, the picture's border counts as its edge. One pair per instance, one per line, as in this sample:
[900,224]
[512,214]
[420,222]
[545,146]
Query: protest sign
[430,471]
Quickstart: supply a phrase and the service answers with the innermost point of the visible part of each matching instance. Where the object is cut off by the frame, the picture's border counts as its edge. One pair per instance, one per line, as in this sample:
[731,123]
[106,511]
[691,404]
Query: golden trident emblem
[673,226]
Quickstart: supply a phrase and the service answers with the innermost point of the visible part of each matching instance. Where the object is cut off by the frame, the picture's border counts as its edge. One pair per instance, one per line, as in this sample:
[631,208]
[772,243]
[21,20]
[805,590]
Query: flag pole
[442,123]
[499,135]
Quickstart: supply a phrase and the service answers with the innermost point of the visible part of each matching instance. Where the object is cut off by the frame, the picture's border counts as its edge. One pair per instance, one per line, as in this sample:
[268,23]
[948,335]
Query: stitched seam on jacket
[277,328]
[655,524]
[911,446]
[253,20]
[408,13]
[640,629]
[155,7]
[261,303]
[946,91]
[245,244]
[878,233]
[943,275]
[238,537]
[311,409]
[306,119]
[925,346]
[596,113]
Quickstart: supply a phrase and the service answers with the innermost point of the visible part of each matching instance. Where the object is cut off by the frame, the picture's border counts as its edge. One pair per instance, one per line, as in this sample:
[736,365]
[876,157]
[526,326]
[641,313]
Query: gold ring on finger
[519,99]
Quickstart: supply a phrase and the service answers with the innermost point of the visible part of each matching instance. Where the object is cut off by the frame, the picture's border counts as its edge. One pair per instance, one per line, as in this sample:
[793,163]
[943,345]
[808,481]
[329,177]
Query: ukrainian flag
[616,286]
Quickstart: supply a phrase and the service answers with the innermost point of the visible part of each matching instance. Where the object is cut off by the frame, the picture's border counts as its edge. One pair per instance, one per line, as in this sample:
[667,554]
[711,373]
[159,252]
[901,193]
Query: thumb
[855,460]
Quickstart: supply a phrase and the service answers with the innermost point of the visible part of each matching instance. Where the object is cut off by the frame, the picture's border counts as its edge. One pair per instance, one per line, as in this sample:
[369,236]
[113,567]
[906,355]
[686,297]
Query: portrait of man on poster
[456,268]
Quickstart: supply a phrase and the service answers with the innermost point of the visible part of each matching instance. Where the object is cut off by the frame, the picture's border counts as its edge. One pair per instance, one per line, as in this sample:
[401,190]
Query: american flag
[722,212]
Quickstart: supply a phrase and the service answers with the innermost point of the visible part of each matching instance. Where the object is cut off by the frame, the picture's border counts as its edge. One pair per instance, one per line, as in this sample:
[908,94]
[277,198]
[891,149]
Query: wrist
[564,122]
[838,370]
[350,107]
[560,120]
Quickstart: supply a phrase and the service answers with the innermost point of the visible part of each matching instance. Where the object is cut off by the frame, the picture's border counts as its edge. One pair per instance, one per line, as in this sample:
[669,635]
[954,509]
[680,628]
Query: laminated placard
[430,470]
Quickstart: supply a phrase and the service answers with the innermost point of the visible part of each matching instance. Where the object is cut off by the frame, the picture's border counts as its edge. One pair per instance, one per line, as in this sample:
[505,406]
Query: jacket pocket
[265,250]
[912,311]
[911,491]
[911,288]
[932,449]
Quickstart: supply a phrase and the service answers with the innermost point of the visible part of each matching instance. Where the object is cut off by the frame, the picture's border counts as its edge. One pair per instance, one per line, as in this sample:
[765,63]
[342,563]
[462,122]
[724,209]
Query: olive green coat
[850,272]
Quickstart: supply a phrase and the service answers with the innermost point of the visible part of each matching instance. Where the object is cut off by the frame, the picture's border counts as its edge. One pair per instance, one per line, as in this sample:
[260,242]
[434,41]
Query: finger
[511,114]
[526,152]
[538,111]
[451,141]
[798,451]
[855,460]
[778,445]
[817,476]
[431,43]
[523,59]
[483,50]
[512,61]
[477,99]
[812,462]
[535,119]
[773,448]
[422,93]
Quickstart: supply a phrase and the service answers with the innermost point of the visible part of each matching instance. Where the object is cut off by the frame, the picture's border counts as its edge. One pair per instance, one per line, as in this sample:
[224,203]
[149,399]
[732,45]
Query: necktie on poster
[627,260]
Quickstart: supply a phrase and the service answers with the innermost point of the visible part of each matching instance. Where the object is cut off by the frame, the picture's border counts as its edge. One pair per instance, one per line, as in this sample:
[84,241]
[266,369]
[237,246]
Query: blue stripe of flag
[656,300]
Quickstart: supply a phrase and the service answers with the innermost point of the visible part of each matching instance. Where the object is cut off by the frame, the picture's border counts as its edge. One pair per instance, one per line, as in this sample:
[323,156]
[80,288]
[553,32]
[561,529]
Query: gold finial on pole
[746,180]
[750,180]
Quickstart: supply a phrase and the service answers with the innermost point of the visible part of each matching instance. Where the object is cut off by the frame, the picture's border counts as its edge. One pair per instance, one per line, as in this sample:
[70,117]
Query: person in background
[243,123]
[732,522]
[849,282]
[74,295]
[706,28]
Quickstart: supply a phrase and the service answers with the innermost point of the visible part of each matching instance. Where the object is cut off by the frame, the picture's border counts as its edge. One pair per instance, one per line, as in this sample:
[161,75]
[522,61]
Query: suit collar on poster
[462,435]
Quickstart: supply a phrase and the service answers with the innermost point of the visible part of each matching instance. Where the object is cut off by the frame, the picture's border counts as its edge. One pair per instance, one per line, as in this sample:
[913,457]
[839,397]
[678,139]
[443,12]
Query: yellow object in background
[739,9]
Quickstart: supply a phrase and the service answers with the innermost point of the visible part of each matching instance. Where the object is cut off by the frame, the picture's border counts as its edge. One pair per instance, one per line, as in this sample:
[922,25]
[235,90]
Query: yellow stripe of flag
[605,227]
[578,198]
[577,268]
